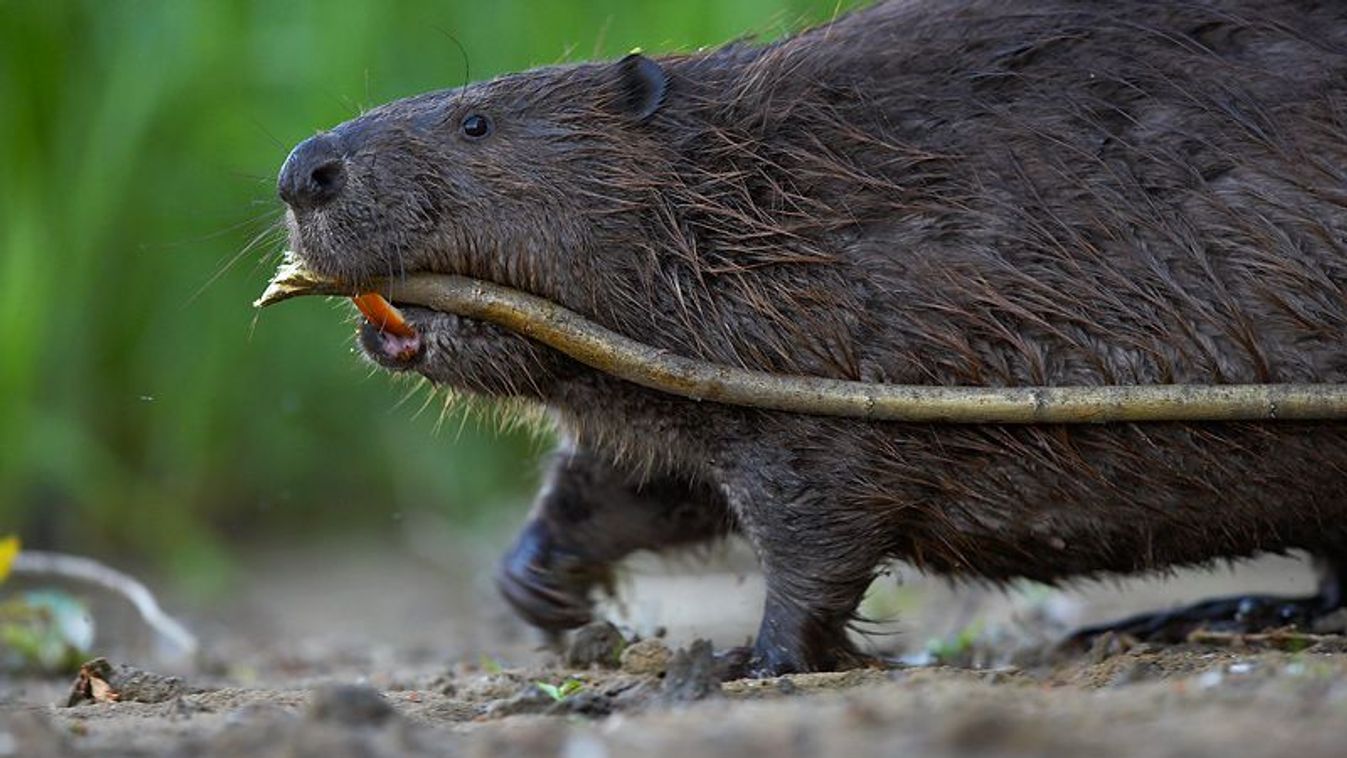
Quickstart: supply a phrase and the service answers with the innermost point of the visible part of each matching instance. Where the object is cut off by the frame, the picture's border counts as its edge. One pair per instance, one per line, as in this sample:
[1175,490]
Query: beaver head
[507,181]
[696,202]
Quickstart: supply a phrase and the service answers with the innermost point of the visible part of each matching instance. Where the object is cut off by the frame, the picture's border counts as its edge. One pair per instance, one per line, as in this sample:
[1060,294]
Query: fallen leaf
[102,692]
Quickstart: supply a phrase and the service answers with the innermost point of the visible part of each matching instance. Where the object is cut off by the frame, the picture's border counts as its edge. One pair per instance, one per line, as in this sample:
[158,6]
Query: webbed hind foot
[1239,614]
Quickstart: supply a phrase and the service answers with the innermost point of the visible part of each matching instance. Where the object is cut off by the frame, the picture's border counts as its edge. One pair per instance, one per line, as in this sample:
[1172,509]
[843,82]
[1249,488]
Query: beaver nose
[313,174]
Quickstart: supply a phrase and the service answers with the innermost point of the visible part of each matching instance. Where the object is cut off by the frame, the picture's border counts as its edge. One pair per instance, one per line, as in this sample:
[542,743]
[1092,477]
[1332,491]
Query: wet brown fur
[931,192]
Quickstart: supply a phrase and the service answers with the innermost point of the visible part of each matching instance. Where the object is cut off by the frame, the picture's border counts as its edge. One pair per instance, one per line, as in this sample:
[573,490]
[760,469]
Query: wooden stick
[625,358]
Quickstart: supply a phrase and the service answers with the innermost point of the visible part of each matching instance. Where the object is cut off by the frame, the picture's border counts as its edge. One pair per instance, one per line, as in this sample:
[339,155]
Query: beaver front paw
[548,585]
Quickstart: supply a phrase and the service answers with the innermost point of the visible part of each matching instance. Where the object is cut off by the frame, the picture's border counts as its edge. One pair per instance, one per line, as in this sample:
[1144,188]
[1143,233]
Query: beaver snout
[313,175]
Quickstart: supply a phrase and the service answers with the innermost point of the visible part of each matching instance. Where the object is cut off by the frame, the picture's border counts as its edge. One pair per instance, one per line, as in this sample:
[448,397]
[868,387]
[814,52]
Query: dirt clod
[349,704]
[694,674]
[1136,671]
[489,687]
[530,699]
[591,704]
[596,644]
[648,657]
[102,682]
[1108,645]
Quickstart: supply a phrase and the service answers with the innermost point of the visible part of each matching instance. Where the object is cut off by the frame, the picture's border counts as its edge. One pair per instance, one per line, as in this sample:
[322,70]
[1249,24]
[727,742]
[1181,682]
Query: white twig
[86,569]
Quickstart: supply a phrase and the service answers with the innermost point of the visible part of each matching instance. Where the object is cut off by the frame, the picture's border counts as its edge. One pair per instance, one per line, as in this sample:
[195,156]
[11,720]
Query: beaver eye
[476,126]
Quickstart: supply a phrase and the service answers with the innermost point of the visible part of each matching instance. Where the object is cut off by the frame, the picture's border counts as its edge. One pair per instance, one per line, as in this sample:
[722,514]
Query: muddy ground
[401,648]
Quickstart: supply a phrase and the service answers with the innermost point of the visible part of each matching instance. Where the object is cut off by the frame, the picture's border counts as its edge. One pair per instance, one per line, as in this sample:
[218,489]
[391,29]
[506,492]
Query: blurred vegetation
[145,412]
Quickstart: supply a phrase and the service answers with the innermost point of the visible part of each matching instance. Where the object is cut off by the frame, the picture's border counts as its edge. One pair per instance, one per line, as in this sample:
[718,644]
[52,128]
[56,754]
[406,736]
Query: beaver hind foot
[1238,614]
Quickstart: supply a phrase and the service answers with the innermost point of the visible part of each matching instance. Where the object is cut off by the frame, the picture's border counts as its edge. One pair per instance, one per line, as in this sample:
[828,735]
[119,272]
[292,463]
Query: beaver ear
[641,86]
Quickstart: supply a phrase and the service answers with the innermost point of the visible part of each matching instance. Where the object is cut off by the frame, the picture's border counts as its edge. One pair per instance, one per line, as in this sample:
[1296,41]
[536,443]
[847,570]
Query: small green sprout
[1297,644]
[489,664]
[559,692]
[952,649]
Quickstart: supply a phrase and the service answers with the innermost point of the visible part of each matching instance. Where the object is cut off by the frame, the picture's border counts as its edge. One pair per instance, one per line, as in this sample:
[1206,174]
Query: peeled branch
[625,358]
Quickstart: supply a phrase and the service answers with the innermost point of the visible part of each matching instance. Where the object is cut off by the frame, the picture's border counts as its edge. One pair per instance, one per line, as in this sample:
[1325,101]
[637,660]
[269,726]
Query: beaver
[924,192]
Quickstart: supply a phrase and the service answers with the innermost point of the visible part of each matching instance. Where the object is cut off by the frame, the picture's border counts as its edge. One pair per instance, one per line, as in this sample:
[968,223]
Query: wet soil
[384,653]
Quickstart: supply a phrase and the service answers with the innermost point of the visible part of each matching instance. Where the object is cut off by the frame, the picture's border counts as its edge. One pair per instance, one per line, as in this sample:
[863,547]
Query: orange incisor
[382,314]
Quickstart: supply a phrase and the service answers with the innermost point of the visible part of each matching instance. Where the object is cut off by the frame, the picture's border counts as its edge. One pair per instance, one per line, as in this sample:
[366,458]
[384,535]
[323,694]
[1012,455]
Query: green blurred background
[146,412]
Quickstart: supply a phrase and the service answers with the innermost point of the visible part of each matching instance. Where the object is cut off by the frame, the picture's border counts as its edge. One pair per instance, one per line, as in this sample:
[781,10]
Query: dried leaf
[102,692]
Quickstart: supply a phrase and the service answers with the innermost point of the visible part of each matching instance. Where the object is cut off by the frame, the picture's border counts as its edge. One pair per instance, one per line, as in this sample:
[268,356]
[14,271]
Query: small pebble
[350,704]
[529,699]
[1331,623]
[1105,646]
[694,674]
[1136,671]
[584,703]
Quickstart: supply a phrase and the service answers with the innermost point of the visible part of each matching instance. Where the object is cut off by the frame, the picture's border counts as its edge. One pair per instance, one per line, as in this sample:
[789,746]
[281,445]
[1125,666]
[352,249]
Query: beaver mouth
[389,349]
[386,334]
